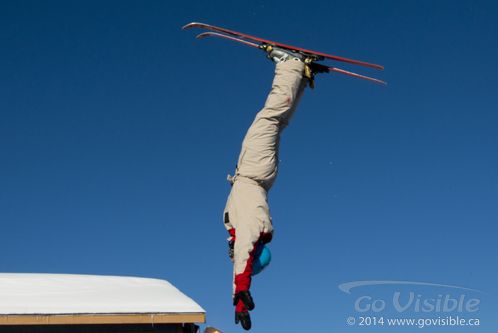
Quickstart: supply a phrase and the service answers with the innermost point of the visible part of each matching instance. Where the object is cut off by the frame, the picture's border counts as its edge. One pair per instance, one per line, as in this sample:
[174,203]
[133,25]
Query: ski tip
[235,39]
[203,35]
[190,25]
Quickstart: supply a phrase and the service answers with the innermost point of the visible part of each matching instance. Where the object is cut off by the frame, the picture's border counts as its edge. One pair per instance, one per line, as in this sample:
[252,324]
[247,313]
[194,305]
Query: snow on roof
[90,294]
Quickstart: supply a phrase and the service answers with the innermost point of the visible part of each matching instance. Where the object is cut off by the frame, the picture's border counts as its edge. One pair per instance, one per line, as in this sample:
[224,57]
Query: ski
[260,46]
[235,39]
[359,76]
[286,46]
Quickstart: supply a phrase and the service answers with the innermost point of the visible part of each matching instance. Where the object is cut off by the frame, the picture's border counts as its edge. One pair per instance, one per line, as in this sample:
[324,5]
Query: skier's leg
[258,159]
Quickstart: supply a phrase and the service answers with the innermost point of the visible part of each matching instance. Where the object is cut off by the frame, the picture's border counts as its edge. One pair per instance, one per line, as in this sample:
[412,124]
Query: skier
[246,215]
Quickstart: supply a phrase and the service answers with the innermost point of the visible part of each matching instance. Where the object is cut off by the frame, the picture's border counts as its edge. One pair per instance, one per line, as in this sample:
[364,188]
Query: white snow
[84,294]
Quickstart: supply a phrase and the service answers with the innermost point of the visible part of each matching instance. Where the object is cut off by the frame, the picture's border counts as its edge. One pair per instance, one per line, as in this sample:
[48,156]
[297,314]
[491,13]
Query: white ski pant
[247,215]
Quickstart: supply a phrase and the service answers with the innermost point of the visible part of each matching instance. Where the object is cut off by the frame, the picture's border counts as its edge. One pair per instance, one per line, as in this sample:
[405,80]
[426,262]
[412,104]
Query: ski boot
[277,55]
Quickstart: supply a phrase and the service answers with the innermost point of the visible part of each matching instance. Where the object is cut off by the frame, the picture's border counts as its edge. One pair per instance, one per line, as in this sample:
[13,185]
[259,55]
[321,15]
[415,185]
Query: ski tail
[319,68]
[359,76]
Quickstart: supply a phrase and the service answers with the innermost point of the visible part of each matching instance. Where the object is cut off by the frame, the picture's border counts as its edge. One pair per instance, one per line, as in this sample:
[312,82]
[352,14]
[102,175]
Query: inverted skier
[247,215]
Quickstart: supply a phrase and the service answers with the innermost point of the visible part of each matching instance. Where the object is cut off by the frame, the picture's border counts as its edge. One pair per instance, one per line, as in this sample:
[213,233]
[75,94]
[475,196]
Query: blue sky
[117,131]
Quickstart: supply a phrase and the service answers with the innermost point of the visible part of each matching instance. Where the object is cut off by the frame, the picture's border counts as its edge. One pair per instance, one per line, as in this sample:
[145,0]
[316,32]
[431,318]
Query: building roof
[50,295]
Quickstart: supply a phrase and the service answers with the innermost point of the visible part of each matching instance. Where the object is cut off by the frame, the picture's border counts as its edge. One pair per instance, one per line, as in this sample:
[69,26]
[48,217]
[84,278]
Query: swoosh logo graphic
[347,286]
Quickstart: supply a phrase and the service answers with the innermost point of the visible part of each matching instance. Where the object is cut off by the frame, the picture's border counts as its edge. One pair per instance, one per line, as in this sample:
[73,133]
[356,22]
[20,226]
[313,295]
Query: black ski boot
[246,298]
[244,318]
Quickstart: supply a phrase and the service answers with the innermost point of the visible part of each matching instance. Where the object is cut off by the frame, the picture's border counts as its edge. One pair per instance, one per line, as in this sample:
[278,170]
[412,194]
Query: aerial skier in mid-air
[246,215]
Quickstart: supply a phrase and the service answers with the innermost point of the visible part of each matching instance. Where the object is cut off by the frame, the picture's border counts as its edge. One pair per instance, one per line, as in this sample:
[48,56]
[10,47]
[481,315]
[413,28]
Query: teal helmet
[262,259]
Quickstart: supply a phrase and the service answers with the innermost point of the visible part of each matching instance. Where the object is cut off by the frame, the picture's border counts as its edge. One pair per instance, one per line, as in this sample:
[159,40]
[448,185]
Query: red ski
[285,46]
[261,46]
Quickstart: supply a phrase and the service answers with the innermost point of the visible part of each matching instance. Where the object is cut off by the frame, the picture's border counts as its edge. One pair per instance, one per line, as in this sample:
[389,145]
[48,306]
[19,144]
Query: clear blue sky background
[117,131]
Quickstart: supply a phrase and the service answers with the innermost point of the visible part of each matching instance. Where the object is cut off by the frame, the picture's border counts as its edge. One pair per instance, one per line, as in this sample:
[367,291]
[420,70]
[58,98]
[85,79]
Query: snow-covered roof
[53,294]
